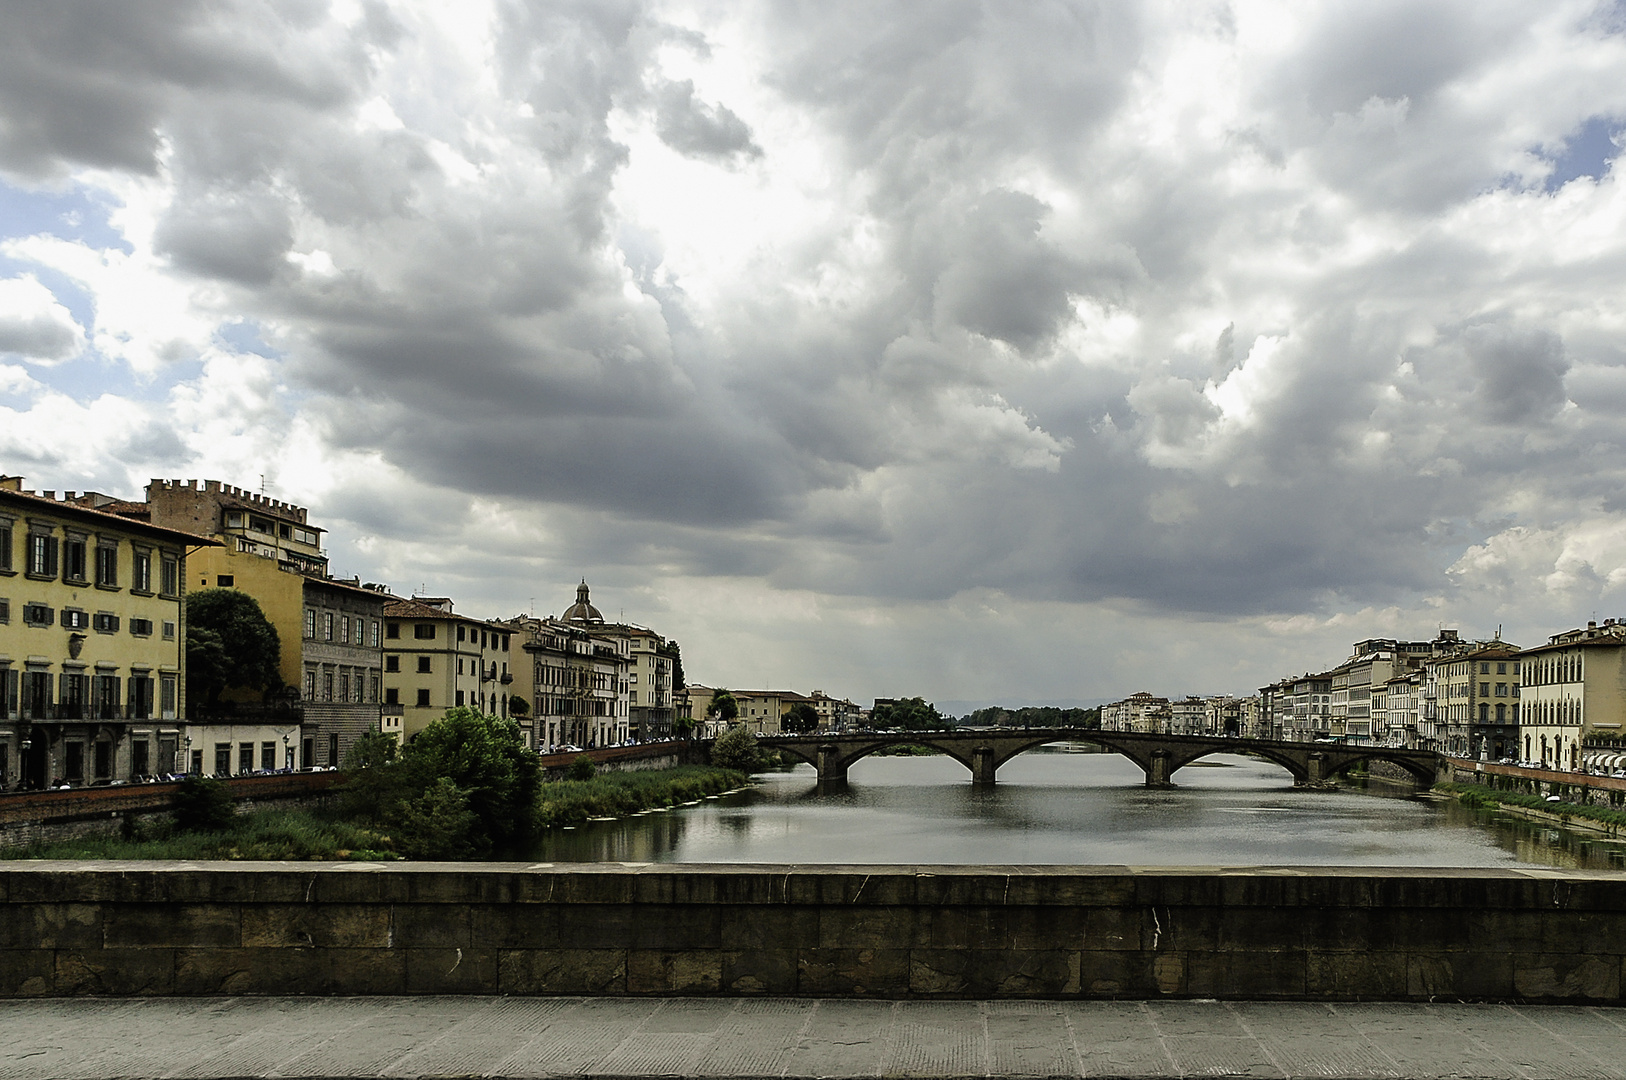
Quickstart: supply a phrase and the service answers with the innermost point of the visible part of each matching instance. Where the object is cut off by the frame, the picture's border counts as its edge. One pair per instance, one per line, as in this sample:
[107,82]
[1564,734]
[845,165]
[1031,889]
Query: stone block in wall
[449,971]
[675,926]
[513,926]
[1600,933]
[759,971]
[1116,929]
[115,972]
[1260,930]
[1109,888]
[562,971]
[145,926]
[250,971]
[319,925]
[674,971]
[1355,975]
[51,926]
[1114,973]
[27,972]
[866,927]
[983,927]
[761,926]
[843,887]
[1567,977]
[1266,974]
[1483,974]
[992,973]
[435,926]
[852,972]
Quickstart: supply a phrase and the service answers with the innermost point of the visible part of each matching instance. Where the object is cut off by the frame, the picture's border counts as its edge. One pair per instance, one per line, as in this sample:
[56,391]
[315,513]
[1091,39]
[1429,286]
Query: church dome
[581,610]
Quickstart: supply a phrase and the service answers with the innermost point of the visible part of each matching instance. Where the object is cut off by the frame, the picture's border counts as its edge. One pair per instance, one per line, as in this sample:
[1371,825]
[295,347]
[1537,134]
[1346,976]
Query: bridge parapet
[983,751]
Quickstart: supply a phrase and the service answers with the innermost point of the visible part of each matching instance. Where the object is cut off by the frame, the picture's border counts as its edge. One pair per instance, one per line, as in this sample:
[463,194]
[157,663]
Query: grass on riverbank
[616,794]
[305,835]
[1477,796]
[266,834]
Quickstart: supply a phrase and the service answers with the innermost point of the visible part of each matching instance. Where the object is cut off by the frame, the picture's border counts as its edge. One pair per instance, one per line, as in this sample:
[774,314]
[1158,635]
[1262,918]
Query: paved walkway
[69,1039]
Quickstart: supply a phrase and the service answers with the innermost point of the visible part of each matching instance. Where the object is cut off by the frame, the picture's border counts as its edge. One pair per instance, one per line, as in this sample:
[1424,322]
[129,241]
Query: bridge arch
[1423,771]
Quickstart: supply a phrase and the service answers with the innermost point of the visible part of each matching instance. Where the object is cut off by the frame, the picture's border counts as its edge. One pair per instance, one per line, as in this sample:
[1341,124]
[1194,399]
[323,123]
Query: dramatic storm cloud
[983,351]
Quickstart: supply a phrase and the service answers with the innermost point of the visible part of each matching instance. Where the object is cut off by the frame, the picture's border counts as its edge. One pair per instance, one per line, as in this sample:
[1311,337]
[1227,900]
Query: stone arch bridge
[983,751]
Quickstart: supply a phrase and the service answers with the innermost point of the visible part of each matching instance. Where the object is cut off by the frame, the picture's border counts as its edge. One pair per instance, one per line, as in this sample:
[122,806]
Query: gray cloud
[690,126]
[1046,326]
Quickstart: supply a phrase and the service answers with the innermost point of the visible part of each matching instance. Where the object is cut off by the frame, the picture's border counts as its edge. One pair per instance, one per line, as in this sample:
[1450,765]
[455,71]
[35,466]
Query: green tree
[910,714]
[486,758]
[438,824]
[582,768]
[801,719]
[737,748]
[674,652]
[518,706]
[723,707]
[373,784]
[203,804]
[230,644]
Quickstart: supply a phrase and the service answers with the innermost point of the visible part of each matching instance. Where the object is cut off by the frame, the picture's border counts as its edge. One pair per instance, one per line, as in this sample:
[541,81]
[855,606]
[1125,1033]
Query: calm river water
[1055,806]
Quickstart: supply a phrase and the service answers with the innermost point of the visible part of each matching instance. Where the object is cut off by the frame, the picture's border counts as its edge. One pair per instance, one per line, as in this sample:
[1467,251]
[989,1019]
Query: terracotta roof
[397,608]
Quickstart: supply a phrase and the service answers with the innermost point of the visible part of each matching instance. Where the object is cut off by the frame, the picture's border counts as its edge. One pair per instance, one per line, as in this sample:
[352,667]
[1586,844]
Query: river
[1052,806]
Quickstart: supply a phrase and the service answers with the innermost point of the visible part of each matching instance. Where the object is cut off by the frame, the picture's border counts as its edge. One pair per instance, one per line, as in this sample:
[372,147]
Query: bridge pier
[830,765]
[1315,772]
[1157,775]
[982,765]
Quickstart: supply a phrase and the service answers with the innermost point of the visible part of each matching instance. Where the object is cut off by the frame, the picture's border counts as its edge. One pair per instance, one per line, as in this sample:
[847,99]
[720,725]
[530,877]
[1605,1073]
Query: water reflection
[1053,807]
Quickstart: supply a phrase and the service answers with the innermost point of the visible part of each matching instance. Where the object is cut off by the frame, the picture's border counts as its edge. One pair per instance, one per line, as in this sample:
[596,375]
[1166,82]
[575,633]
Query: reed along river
[1052,806]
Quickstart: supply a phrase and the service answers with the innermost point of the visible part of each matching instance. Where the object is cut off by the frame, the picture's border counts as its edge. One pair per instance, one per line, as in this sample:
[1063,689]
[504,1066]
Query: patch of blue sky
[69,293]
[74,213]
[243,336]
[1588,152]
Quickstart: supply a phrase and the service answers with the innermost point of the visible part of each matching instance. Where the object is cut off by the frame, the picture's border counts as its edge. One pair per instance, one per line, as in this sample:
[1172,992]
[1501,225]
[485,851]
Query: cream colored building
[1138,712]
[435,659]
[92,632]
[1571,687]
[576,681]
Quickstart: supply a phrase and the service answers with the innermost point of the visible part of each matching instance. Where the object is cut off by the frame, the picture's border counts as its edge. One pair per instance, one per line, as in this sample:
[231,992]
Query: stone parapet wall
[1572,787]
[884,931]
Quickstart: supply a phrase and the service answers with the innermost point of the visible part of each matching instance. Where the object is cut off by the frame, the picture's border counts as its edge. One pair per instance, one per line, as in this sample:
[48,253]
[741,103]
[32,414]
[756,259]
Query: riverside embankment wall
[871,931]
[27,817]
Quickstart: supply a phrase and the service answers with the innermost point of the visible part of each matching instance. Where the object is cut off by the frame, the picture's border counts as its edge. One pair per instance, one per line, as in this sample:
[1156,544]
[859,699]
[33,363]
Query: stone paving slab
[749,1038]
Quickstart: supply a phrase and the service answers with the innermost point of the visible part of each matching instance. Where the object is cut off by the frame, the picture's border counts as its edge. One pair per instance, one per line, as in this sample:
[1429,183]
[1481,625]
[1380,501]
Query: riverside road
[202,1038]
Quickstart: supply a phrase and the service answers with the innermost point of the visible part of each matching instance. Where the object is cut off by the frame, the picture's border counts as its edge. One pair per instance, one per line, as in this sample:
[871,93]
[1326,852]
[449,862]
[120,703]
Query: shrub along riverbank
[1477,796]
[571,802]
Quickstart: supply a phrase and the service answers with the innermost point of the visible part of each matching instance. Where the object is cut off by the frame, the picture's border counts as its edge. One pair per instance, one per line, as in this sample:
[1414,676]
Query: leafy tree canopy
[486,757]
[801,719]
[673,650]
[723,707]
[737,748]
[910,714]
[1034,716]
[492,799]
[230,644]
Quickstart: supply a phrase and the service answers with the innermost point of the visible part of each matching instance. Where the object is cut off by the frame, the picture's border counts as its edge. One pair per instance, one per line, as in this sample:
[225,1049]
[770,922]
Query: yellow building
[92,632]
[330,631]
[435,659]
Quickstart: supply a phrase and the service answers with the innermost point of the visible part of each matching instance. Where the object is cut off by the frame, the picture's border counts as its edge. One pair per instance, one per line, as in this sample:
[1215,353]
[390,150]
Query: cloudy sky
[983,351]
